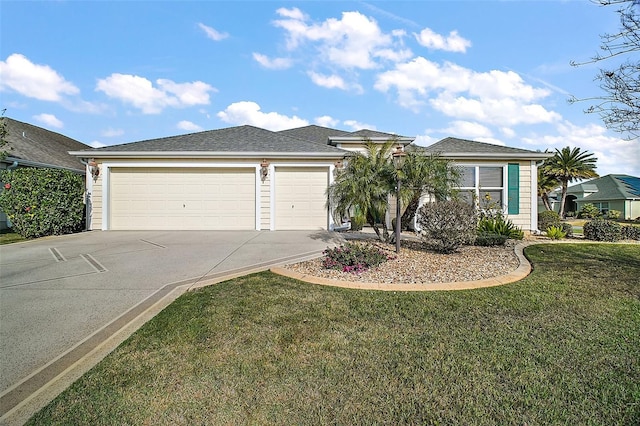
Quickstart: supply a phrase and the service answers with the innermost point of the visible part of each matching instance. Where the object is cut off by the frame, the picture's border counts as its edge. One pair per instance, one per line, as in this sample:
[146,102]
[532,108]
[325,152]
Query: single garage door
[182,198]
[300,198]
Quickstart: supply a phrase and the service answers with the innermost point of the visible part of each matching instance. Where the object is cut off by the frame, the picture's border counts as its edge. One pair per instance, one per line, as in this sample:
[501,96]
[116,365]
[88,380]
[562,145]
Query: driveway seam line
[94,263]
[57,255]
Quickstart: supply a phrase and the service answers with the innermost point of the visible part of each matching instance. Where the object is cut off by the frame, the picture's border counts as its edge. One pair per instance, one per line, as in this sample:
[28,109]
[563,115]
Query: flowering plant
[354,258]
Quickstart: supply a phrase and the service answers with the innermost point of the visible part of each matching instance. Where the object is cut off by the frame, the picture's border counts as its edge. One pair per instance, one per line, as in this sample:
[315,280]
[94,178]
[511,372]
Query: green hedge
[41,202]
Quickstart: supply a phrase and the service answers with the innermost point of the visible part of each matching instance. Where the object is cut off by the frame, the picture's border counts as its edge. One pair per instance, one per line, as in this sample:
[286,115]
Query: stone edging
[519,273]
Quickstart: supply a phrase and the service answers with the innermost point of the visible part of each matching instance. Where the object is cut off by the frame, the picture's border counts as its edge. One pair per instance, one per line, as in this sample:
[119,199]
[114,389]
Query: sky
[114,72]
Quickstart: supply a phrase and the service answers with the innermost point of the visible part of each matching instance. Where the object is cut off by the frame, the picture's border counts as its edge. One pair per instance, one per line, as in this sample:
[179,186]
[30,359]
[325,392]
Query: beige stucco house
[248,178]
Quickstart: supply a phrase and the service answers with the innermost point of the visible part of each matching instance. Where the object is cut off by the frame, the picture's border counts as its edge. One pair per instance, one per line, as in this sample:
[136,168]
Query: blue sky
[106,73]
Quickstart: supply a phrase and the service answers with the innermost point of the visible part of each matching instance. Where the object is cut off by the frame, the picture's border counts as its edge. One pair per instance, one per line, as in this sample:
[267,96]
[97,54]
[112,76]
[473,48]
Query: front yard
[559,347]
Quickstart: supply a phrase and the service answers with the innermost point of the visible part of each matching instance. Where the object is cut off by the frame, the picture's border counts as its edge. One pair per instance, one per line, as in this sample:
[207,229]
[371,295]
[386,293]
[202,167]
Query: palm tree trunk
[545,201]
[565,184]
[410,213]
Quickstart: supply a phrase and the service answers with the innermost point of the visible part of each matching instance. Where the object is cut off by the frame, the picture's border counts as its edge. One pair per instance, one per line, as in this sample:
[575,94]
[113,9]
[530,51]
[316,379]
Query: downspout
[534,196]
[12,166]
[88,183]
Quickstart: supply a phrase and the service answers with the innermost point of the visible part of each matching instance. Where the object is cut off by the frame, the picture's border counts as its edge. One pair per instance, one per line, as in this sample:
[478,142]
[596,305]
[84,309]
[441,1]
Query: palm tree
[365,183]
[568,165]
[425,174]
[546,184]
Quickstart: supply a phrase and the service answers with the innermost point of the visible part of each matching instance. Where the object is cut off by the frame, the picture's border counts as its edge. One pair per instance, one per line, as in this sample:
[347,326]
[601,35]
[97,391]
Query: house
[250,178]
[610,192]
[32,146]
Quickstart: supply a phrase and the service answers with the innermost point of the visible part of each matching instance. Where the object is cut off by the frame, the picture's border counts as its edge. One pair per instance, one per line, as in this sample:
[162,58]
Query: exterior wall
[527,215]
[97,198]
[633,212]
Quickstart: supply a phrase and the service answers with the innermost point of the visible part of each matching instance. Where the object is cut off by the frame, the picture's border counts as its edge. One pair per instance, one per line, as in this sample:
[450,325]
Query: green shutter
[513,189]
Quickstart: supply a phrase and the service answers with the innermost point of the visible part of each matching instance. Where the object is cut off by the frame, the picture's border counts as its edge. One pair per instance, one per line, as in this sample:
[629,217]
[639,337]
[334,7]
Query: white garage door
[300,198]
[182,198]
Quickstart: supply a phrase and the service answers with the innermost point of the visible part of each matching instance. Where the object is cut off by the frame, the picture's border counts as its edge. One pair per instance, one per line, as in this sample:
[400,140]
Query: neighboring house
[254,179]
[610,192]
[32,146]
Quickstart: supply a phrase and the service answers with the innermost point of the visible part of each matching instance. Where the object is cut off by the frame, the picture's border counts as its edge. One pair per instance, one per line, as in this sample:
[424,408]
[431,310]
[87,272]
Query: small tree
[425,174]
[42,202]
[568,165]
[365,183]
[3,135]
[546,184]
[619,106]
[447,225]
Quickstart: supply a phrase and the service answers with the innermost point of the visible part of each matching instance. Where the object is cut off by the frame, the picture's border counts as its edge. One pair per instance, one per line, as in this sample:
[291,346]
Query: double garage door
[182,198]
[213,198]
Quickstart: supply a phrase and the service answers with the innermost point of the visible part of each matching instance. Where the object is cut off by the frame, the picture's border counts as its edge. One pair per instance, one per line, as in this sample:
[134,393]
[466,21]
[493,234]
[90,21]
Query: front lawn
[8,237]
[559,347]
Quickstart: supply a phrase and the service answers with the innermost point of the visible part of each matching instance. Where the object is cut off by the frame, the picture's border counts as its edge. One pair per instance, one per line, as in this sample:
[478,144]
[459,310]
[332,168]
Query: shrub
[489,239]
[497,224]
[548,218]
[602,230]
[447,225]
[555,233]
[614,214]
[43,202]
[589,211]
[567,229]
[631,232]
[354,258]
[357,222]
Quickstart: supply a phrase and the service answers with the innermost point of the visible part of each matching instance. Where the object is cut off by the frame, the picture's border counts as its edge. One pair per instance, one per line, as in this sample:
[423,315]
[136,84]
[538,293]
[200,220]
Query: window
[483,186]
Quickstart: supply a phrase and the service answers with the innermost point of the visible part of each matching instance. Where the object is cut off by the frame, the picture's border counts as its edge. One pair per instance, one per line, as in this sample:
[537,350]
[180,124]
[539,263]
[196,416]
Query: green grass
[8,237]
[559,347]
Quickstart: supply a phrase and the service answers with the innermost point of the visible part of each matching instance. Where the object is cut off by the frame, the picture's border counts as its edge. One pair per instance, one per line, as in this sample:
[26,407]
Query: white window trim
[477,188]
[106,177]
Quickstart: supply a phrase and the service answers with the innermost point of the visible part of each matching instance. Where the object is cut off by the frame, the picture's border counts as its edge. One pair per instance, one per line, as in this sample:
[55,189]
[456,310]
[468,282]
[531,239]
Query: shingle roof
[313,133]
[232,139]
[610,187]
[366,133]
[37,145]
[455,145]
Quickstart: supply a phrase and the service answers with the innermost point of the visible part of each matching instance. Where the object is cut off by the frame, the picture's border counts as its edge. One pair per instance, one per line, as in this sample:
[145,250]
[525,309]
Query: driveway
[58,293]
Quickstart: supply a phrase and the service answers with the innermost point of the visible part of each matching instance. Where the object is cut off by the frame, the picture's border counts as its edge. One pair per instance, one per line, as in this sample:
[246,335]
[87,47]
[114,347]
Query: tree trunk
[410,213]
[565,184]
[545,201]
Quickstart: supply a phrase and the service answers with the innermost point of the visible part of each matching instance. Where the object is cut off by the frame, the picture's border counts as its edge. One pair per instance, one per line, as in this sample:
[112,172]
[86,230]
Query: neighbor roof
[467,149]
[609,187]
[240,140]
[34,146]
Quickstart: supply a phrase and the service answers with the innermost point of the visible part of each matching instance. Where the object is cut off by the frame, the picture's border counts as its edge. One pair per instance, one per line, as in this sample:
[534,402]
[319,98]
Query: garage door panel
[182,198]
[300,198]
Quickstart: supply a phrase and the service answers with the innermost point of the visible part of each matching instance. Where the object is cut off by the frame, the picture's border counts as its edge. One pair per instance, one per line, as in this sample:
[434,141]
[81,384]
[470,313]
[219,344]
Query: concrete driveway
[58,294]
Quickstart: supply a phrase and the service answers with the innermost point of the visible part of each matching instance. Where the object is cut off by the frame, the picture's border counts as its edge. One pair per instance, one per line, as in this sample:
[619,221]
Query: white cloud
[426,139]
[614,154]
[357,125]
[453,43]
[188,126]
[212,33]
[32,80]
[112,133]
[354,41]
[49,120]
[246,112]
[328,81]
[140,92]
[468,130]
[494,97]
[326,121]
[96,144]
[272,64]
